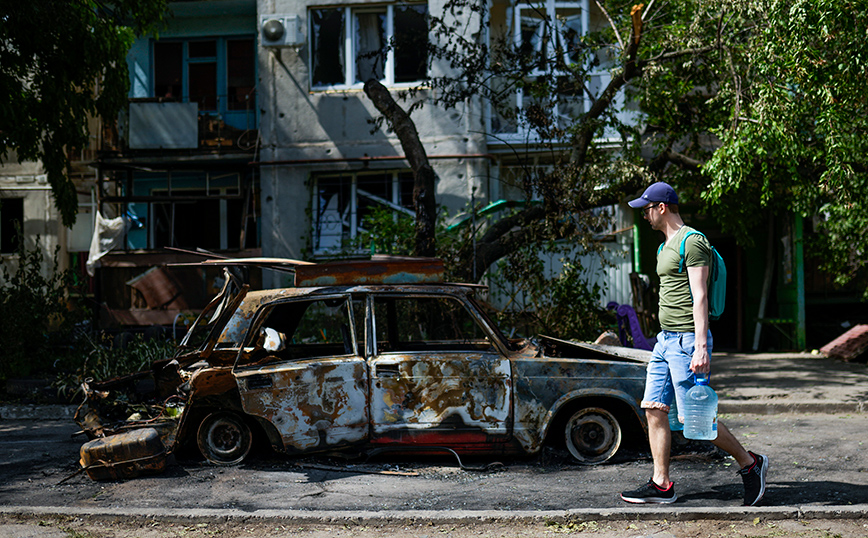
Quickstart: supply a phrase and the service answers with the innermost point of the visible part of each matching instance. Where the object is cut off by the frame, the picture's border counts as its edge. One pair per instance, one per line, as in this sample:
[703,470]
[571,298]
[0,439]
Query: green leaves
[61,62]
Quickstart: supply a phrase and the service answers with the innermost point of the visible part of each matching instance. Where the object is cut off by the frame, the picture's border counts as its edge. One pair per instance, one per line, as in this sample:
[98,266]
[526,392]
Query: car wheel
[224,438]
[592,435]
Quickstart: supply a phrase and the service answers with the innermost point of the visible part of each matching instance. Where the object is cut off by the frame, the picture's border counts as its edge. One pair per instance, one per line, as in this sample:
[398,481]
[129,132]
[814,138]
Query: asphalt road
[818,462]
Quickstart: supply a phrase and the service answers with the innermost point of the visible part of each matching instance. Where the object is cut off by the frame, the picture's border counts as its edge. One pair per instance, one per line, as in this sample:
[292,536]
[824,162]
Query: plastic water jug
[700,411]
[675,425]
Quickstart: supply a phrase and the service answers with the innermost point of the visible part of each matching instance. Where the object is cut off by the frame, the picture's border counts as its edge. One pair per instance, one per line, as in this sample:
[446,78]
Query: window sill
[358,88]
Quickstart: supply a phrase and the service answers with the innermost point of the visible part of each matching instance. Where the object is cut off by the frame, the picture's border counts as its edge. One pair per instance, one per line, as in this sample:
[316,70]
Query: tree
[423,173]
[60,62]
[748,107]
[794,137]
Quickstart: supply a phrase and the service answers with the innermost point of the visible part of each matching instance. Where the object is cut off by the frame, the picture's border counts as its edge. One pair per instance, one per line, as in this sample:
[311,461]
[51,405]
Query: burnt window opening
[310,329]
[11,224]
[388,43]
[210,224]
[214,210]
[405,324]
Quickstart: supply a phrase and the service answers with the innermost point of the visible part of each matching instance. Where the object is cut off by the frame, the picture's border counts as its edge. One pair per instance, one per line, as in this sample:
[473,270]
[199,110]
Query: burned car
[370,355]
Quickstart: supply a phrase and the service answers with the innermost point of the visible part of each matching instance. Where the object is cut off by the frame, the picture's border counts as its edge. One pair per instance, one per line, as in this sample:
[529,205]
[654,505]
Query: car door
[436,377]
[305,374]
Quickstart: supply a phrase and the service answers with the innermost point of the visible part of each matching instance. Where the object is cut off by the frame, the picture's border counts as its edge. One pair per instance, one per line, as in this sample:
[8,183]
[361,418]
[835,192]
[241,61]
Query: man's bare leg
[727,442]
[660,439]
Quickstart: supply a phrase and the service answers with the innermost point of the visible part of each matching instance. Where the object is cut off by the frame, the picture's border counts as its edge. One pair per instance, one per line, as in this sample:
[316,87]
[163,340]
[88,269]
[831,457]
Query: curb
[465,517]
[37,412]
[772,408]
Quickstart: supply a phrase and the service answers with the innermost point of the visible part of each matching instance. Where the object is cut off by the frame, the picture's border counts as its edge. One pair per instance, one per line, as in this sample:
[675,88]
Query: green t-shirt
[676,301]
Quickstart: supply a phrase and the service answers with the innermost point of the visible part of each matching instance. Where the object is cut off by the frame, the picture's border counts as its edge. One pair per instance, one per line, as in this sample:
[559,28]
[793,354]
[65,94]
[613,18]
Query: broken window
[190,209]
[240,73]
[388,43]
[548,36]
[217,73]
[406,324]
[11,222]
[343,202]
[312,328]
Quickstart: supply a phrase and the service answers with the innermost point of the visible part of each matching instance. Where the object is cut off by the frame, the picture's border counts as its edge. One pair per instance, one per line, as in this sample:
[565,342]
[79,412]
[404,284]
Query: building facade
[248,132]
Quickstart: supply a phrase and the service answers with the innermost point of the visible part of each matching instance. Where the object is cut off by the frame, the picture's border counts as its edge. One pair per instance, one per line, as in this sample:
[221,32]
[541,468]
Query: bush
[37,332]
[564,305]
[102,358]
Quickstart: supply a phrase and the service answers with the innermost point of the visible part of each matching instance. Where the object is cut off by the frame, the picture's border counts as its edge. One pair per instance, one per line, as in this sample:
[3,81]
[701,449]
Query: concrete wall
[304,132]
[29,182]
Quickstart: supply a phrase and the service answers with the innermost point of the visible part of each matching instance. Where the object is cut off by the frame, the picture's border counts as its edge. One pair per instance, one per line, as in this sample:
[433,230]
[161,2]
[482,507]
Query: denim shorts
[669,371]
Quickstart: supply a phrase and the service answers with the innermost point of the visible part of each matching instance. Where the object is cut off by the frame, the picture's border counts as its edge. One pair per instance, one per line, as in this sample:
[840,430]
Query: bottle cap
[701,379]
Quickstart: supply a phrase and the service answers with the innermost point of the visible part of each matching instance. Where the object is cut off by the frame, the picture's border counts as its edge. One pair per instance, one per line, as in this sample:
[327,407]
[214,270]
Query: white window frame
[552,7]
[599,77]
[350,46]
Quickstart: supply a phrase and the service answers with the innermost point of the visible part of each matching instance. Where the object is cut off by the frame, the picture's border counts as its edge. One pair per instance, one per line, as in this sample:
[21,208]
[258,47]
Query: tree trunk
[423,175]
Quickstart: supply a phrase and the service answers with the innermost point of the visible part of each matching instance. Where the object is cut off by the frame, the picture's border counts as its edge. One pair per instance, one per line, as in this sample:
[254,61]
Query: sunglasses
[645,210]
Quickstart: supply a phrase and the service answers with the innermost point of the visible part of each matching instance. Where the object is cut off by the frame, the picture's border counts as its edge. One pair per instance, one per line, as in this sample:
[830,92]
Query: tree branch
[612,24]
[423,174]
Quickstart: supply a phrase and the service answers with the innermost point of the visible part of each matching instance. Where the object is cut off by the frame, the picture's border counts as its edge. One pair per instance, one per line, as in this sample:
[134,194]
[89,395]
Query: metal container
[125,455]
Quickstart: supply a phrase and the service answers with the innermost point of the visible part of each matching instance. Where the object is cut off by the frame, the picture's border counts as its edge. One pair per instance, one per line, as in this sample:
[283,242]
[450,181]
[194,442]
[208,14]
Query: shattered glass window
[411,43]
[327,46]
[344,203]
[387,43]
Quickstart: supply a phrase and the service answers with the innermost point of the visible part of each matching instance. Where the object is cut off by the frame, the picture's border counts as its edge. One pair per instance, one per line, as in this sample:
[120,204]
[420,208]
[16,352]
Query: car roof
[255,298]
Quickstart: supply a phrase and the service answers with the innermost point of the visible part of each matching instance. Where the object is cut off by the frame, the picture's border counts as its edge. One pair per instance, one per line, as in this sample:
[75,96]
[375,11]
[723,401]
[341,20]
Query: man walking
[683,349]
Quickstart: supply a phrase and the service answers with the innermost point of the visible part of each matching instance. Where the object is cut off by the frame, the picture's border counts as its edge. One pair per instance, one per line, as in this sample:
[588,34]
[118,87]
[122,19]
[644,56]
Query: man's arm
[698,278]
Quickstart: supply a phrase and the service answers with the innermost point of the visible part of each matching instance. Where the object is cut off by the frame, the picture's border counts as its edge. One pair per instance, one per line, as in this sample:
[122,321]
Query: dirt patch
[74,527]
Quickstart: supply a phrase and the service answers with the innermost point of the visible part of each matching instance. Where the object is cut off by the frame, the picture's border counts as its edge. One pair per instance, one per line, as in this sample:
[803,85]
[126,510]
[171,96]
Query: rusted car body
[397,359]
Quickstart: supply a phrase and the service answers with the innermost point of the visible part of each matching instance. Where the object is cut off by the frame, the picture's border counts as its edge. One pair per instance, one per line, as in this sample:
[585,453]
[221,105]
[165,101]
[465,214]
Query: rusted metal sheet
[454,396]
[544,385]
[402,271]
[211,381]
[159,290]
[125,455]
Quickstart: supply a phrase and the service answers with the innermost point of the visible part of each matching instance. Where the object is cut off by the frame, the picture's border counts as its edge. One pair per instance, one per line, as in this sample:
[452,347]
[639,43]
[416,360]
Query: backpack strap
[683,242]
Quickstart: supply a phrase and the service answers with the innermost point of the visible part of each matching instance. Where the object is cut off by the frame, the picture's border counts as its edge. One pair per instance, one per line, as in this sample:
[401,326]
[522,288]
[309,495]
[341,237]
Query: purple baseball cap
[658,192]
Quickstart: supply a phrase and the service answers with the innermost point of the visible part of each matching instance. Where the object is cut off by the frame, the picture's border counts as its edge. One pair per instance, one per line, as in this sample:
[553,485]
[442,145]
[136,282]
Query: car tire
[592,435]
[224,438]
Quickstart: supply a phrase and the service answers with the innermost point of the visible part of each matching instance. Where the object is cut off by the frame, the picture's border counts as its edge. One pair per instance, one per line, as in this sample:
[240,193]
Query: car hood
[551,347]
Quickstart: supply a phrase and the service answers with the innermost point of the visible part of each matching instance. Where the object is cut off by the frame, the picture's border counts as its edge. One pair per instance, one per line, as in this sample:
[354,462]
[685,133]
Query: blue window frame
[218,73]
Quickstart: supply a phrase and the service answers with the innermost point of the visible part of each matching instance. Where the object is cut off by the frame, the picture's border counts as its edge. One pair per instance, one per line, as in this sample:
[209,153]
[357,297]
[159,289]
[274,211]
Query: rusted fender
[544,386]
[211,382]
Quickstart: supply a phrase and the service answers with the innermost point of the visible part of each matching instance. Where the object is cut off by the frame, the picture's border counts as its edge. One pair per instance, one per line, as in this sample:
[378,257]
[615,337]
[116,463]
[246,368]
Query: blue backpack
[716,280]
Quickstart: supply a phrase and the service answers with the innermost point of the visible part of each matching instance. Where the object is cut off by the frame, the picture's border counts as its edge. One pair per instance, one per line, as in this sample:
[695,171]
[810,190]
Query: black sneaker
[651,493]
[754,477]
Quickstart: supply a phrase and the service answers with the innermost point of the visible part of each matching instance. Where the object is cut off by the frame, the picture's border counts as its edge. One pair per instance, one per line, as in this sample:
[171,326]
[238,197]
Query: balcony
[163,126]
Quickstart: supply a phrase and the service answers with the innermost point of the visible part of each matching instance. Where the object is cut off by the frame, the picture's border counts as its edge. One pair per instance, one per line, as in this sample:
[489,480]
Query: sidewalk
[763,383]
[769,383]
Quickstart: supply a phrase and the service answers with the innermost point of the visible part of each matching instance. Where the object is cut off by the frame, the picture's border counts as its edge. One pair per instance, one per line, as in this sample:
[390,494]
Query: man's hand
[700,363]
